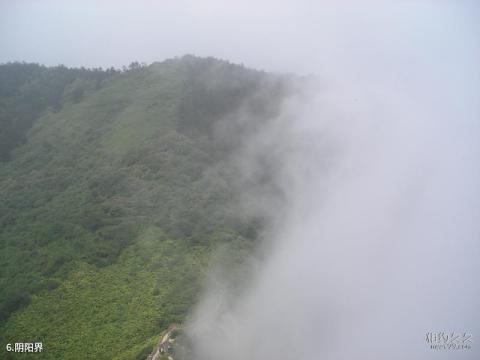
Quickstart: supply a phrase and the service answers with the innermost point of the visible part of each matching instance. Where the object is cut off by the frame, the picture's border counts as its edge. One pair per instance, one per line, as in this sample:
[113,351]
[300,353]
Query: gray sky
[283,35]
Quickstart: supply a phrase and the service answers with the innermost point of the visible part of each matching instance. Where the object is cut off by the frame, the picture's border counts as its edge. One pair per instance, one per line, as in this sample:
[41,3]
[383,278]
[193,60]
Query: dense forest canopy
[29,90]
[116,187]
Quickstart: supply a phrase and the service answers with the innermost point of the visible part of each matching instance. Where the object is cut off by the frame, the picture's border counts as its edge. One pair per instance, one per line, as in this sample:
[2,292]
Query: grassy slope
[110,211]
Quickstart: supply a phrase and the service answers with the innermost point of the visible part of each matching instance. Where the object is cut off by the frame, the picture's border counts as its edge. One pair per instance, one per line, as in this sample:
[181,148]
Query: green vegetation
[108,311]
[114,190]
[29,90]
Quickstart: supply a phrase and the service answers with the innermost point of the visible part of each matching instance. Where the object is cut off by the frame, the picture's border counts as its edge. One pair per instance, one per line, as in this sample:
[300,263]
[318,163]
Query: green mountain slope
[113,204]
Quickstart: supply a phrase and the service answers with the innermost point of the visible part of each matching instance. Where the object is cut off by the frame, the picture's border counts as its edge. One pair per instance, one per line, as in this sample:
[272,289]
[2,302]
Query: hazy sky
[282,35]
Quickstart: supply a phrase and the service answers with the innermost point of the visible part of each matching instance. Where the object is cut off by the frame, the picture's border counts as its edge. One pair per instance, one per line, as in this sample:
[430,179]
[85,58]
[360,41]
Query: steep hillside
[112,204]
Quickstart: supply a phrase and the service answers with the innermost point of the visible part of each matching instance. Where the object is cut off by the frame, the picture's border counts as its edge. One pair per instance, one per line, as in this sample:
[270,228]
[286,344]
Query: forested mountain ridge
[114,195]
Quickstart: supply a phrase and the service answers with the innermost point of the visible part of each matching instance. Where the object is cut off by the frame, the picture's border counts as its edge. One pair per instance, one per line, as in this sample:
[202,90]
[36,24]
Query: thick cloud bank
[377,241]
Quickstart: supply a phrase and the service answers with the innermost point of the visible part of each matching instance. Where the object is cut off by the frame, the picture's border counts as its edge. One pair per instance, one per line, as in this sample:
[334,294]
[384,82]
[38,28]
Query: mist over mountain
[319,202]
[210,211]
